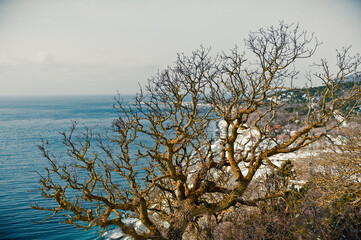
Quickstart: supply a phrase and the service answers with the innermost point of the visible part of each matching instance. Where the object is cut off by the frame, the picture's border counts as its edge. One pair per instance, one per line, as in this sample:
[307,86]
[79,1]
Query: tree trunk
[183,215]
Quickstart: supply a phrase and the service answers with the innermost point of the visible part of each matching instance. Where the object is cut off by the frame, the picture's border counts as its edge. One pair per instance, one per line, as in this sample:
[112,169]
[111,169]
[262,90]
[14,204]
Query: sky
[87,47]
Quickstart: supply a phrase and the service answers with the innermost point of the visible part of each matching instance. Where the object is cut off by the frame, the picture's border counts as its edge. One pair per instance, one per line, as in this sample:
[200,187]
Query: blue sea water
[23,121]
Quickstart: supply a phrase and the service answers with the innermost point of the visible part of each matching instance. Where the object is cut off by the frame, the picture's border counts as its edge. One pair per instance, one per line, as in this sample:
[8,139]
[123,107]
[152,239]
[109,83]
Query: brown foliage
[327,207]
[338,176]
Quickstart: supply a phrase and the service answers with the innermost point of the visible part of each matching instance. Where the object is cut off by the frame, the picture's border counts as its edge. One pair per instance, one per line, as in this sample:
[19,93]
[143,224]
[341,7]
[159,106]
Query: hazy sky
[52,47]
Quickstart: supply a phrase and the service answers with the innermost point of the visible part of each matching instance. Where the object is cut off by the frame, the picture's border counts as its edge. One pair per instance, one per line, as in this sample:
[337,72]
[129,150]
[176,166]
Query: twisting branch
[161,163]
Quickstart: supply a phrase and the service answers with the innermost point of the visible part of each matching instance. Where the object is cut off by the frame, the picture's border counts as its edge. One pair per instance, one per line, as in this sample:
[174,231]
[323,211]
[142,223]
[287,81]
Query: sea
[24,121]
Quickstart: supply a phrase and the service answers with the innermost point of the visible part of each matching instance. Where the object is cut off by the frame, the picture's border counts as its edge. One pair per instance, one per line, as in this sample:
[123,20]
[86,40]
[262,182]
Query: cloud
[43,77]
[50,42]
[42,57]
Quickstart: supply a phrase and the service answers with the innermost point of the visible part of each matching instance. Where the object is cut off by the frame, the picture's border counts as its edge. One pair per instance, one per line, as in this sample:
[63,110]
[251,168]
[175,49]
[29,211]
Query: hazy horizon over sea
[23,122]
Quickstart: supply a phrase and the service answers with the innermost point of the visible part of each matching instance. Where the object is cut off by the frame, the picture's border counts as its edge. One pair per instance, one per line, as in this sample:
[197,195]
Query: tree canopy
[184,172]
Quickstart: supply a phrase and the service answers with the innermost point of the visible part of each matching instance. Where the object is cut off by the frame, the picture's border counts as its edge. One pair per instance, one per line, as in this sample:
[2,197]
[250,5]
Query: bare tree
[339,174]
[180,175]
